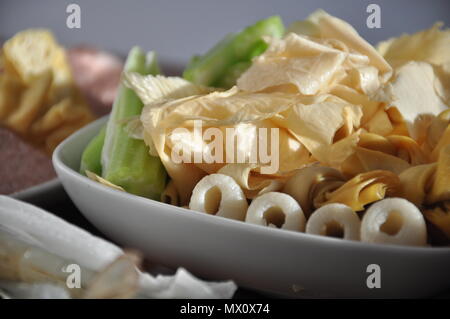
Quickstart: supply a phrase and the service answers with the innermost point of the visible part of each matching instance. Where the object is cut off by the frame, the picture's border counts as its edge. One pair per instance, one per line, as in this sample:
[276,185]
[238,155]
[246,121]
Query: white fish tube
[275,209]
[334,220]
[394,221]
[220,195]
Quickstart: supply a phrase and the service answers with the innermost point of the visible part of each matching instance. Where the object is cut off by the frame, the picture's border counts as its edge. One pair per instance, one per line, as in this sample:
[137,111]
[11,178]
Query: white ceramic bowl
[272,260]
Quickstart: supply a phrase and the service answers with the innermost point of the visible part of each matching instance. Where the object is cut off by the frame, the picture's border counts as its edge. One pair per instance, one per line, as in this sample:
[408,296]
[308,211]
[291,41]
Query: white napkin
[70,242]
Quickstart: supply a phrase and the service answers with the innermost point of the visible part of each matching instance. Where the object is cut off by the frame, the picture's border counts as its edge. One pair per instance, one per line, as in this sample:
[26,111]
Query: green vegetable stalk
[126,161]
[224,63]
[91,158]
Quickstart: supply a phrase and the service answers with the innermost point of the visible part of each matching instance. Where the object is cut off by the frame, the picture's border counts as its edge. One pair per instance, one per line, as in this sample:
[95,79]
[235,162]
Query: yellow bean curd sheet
[379,117]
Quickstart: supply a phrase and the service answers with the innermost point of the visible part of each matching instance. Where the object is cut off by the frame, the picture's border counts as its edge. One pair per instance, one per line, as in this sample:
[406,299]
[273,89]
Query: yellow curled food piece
[366,160]
[437,128]
[443,141]
[440,218]
[400,127]
[440,190]
[365,188]
[394,153]
[416,182]
[377,142]
[408,149]
[310,183]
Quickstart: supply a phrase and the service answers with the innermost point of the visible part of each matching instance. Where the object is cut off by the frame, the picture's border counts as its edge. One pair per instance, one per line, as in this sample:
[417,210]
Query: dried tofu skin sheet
[431,45]
[315,55]
[311,66]
[413,91]
[323,25]
[421,81]
[304,126]
[325,55]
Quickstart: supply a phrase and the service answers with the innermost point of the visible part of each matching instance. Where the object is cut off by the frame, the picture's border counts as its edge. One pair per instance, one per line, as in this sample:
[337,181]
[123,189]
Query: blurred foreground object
[38,252]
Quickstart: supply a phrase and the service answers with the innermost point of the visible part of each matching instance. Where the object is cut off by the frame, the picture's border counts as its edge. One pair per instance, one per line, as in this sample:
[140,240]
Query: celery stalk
[91,158]
[233,73]
[210,69]
[126,161]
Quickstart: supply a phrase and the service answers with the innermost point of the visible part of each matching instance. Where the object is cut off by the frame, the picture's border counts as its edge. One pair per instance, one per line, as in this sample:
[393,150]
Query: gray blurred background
[178,29]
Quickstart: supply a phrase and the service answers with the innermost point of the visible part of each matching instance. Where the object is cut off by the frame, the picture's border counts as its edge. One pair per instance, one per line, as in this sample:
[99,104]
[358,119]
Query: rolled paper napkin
[39,252]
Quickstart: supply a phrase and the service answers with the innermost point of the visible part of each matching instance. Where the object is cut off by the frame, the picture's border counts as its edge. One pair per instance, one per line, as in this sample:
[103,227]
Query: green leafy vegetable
[91,158]
[223,64]
[126,161]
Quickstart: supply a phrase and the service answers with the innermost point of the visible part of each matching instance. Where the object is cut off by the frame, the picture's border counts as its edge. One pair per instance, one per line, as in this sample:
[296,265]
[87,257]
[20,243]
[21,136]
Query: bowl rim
[61,167]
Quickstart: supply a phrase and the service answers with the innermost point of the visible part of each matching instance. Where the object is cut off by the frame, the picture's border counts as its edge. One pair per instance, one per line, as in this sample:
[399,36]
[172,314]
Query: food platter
[272,260]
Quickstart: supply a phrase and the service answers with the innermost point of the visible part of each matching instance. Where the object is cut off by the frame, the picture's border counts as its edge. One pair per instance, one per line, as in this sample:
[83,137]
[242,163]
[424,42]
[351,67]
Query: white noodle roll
[220,195]
[394,221]
[334,220]
[278,210]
